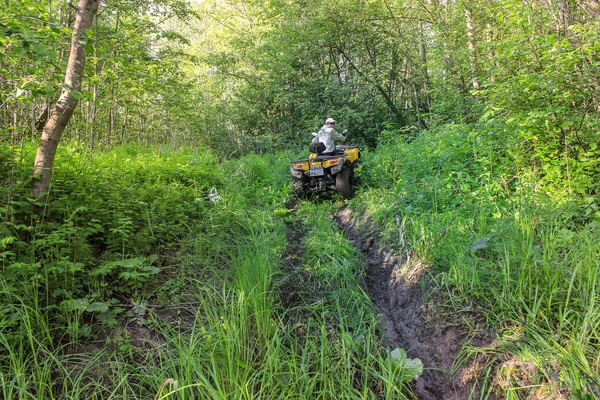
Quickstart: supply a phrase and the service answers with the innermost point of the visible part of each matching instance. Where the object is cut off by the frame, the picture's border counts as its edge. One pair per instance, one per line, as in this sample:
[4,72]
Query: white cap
[330,120]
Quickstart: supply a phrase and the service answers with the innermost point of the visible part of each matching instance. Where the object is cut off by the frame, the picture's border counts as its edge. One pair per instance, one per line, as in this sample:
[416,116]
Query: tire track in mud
[293,257]
[395,285]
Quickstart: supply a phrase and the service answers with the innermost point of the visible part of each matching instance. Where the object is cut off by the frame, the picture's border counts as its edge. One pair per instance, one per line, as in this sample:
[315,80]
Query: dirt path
[396,287]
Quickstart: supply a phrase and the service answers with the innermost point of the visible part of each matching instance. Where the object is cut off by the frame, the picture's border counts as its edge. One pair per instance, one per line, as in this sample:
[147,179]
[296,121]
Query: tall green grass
[522,256]
[242,346]
[147,288]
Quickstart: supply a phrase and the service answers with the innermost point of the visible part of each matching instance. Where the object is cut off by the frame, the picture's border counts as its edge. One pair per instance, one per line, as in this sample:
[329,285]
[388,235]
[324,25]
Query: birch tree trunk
[66,103]
[471,46]
[565,19]
[424,71]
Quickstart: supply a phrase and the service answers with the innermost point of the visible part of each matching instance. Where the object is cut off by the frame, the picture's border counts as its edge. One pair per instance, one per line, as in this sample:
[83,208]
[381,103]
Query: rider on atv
[326,135]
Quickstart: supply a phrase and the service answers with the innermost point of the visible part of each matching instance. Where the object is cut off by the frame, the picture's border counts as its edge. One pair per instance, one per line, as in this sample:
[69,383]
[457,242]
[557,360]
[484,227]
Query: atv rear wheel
[298,188]
[344,182]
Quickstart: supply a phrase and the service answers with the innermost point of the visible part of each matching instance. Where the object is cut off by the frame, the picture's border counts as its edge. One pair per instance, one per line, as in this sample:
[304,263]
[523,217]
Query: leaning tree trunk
[63,110]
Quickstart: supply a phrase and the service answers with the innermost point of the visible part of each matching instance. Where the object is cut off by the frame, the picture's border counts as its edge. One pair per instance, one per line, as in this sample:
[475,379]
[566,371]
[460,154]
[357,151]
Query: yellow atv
[330,171]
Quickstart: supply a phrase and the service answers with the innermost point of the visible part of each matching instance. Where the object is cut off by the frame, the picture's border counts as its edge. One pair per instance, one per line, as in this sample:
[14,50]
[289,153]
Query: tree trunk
[124,126]
[437,11]
[493,64]
[63,110]
[564,18]
[41,119]
[15,131]
[94,106]
[471,46]
[425,73]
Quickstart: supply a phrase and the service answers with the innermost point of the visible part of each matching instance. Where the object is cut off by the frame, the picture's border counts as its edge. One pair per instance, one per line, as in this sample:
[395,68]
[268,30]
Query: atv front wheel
[343,182]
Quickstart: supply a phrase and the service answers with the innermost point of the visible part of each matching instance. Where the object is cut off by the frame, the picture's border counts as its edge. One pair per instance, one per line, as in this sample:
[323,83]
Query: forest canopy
[244,76]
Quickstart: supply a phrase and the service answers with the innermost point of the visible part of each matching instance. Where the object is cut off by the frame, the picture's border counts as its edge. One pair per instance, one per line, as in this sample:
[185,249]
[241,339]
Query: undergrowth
[505,245]
[158,273]
[163,273]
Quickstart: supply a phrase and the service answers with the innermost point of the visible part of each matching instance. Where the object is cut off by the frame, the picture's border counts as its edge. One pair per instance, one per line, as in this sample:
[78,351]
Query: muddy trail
[396,286]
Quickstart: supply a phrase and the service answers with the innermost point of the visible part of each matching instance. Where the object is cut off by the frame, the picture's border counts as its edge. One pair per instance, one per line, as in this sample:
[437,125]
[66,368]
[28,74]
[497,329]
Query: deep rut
[395,284]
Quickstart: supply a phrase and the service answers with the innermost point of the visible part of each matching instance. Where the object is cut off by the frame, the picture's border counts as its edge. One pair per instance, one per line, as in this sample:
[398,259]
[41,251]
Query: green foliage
[133,66]
[291,68]
[548,102]
[501,194]
[79,290]
[501,243]
[102,233]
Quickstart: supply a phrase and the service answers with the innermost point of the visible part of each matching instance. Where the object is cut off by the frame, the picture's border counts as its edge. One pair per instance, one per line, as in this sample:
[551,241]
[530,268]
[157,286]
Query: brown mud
[397,284]
[289,290]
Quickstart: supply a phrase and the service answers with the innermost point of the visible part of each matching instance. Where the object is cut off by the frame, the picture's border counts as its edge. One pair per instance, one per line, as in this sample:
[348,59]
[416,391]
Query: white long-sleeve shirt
[327,136]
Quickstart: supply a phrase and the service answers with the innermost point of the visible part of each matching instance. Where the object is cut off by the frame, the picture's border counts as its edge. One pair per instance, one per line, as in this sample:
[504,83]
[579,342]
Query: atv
[321,172]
